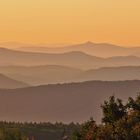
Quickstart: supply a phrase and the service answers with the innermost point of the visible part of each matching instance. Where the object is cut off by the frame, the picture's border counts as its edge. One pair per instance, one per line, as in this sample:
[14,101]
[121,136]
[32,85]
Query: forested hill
[62,102]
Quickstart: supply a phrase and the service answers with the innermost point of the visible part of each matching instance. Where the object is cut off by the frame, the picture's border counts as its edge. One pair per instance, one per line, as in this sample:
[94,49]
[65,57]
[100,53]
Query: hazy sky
[69,21]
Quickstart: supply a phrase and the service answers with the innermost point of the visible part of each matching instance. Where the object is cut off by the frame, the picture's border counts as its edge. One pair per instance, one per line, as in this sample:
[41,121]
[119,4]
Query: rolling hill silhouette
[112,73]
[71,59]
[95,49]
[38,75]
[52,74]
[8,83]
[62,102]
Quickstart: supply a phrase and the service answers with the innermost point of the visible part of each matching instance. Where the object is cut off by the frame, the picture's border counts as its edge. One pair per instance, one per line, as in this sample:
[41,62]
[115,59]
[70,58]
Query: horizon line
[7,44]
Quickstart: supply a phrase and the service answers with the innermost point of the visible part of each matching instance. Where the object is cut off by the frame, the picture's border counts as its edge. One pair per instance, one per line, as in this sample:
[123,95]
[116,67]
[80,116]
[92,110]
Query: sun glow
[70,21]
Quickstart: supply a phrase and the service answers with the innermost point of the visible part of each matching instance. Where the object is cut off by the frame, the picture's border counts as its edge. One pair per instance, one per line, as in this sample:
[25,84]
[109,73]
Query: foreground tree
[113,110]
[119,122]
[88,131]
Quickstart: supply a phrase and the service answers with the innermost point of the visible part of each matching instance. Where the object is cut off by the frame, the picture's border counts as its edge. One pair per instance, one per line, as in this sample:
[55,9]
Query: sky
[70,21]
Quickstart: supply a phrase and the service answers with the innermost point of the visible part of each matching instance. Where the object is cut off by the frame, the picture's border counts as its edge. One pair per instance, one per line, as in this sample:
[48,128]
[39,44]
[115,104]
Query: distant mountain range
[112,73]
[8,83]
[52,74]
[76,79]
[38,75]
[78,60]
[94,49]
[62,102]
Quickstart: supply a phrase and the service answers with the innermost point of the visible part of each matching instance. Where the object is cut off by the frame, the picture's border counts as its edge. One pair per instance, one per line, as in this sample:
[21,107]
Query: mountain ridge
[62,102]
[75,59]
[53,74]
[91,48]
[9,83]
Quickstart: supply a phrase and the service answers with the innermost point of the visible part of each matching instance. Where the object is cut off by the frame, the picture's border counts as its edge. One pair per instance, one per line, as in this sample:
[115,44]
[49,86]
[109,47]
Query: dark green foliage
[11,134]
[89,129]
[120,122]
[36,131]
[113,110]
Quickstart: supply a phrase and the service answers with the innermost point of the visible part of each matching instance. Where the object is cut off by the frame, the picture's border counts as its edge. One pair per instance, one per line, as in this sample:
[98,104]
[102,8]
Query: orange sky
[70,21]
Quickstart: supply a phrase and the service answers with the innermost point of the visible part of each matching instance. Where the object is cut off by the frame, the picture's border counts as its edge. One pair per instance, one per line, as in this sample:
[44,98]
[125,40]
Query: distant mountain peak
[89,43]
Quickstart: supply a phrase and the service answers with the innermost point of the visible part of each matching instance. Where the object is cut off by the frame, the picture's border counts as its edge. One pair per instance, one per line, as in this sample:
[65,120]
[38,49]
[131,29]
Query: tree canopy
[120,122]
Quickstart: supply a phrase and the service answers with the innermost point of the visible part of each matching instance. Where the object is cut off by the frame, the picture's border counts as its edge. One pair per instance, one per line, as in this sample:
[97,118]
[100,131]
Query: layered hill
[38,75]
[62,102]
[8,83]
[52,74]
[95,49]
[112,73]
[71,59]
